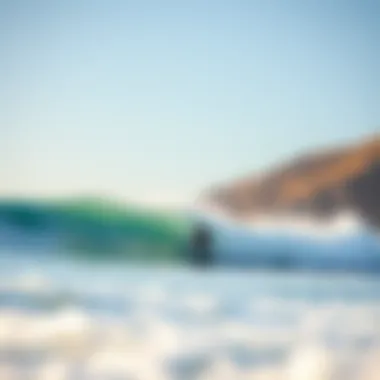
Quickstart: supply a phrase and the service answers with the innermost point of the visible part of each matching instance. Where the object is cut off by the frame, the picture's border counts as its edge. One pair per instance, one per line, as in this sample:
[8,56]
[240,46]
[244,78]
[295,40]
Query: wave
[92,227]
[105,231]
[294,242]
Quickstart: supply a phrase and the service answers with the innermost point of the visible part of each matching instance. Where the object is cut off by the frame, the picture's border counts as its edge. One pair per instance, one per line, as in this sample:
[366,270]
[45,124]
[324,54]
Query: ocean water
[343,243]
[62,318]
[66,317]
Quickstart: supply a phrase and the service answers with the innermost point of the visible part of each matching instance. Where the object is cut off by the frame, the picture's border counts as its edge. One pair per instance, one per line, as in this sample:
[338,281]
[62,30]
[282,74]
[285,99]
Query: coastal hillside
[319,184]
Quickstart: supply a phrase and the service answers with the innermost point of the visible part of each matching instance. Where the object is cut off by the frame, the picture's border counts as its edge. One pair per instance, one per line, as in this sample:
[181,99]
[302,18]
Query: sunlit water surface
[64,319]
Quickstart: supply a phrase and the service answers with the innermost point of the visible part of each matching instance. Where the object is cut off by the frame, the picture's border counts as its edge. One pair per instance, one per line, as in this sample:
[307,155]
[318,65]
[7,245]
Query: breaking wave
[344,242]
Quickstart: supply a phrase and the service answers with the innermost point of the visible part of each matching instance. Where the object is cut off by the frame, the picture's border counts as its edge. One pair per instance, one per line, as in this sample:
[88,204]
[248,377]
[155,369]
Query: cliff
[319,184]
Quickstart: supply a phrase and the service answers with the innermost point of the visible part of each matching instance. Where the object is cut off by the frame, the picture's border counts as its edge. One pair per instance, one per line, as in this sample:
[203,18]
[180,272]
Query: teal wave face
[101,229]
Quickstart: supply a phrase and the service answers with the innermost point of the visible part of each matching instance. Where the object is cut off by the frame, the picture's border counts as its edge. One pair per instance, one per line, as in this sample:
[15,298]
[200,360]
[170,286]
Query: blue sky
[156,100]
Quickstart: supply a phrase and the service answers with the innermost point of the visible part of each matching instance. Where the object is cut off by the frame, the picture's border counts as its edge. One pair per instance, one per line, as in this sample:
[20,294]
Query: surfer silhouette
[201,245]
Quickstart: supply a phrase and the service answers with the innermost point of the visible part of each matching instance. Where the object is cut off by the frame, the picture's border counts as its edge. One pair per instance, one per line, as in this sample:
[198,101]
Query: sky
[154,101]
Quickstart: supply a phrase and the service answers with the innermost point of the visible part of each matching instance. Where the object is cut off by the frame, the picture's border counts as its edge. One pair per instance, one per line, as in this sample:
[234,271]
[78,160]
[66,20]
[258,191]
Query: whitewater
[62,318]
[343,242]
[66,320]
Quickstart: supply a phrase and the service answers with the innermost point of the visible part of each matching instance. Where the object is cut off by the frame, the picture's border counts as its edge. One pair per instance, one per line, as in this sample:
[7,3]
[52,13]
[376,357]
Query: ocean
[62,318]
[68,317]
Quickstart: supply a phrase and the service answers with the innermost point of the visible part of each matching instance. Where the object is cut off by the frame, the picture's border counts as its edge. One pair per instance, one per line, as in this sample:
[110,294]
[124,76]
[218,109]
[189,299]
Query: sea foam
[344,241]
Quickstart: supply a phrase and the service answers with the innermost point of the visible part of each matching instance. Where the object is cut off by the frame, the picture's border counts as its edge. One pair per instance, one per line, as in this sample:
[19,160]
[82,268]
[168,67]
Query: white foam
[311,363]
[7,372]
[53,370]
[343,241]
[342,223]
[201,304]
[30,282]
[117,354]
[141,342]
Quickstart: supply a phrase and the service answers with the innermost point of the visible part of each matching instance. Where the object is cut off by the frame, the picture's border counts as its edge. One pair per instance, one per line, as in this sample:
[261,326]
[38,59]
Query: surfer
[201,245]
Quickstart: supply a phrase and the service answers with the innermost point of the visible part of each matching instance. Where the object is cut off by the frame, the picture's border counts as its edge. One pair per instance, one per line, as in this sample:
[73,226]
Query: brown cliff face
[319,184]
